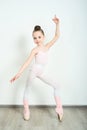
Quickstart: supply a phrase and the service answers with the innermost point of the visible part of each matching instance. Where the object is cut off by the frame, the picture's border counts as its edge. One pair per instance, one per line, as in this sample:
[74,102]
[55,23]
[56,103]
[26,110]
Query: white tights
[38,71]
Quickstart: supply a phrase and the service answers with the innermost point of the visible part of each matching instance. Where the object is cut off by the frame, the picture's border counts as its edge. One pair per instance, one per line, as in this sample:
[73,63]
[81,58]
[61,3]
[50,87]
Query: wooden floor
[43,118]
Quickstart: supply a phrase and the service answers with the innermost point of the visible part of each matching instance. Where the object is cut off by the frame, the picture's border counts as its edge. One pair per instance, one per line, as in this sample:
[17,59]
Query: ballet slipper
[59,109]
[59,112]
[26,112]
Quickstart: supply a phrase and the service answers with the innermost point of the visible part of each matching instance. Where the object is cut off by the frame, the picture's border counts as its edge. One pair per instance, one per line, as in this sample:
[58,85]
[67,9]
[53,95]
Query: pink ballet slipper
[59,109]
[59,112]
[26,112]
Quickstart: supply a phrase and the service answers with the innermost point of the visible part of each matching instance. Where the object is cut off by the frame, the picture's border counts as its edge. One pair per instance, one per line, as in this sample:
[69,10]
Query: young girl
[40,54]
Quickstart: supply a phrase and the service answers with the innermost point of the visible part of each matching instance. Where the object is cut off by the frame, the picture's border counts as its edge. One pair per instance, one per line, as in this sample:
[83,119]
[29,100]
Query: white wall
[67,60]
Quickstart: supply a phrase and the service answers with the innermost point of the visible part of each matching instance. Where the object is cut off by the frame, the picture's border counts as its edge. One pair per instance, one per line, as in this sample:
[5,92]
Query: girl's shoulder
[35,50]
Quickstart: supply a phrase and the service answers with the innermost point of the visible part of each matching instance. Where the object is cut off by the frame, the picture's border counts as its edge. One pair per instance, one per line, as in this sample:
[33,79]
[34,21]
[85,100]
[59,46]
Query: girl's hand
[14,78]
[55,19]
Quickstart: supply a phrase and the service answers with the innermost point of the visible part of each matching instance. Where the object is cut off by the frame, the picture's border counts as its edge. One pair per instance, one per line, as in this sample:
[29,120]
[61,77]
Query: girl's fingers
[55,16]
[12,79]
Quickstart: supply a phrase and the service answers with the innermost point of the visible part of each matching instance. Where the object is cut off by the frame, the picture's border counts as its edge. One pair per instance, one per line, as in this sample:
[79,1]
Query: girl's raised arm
[57,33]
[25,65]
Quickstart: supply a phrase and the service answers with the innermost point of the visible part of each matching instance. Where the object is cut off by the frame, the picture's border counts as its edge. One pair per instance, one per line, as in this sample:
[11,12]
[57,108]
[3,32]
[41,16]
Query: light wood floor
[43,118]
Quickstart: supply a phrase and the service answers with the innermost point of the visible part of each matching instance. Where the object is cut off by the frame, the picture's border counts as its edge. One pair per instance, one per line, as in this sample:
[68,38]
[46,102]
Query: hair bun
[37,28]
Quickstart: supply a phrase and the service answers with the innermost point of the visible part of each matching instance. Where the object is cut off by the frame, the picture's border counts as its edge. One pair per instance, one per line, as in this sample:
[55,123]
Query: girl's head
[38,35]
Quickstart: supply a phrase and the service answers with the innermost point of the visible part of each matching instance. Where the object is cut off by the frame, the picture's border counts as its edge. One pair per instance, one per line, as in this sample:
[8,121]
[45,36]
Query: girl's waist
[39,65]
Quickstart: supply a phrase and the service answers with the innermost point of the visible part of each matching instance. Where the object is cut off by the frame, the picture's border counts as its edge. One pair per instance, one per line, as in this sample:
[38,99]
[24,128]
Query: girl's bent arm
[57,33]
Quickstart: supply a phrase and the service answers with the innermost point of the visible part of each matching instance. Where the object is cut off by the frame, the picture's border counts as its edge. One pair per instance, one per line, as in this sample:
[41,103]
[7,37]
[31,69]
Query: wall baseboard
[21,106]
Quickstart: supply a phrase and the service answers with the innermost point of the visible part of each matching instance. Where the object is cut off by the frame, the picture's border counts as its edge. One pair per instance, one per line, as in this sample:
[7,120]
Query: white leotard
[41,58]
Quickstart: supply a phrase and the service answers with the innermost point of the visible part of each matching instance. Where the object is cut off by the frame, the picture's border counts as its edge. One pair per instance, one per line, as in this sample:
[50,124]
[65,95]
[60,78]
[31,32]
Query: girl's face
[38,37]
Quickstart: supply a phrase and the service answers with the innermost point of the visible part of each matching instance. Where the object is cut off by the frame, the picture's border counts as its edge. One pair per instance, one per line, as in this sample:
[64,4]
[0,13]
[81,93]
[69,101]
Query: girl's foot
[26,114]
[59,112]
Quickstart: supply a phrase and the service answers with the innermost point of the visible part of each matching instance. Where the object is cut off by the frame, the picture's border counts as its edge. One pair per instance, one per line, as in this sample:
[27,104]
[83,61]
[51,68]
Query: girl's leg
[26,93]
[36,70]
[56,87]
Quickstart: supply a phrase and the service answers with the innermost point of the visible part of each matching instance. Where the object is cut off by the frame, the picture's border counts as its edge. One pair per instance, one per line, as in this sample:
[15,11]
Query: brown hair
[38,28]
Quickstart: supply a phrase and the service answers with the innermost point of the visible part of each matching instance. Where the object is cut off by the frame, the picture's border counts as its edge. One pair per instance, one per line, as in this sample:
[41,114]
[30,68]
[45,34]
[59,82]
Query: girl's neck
[40,45]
